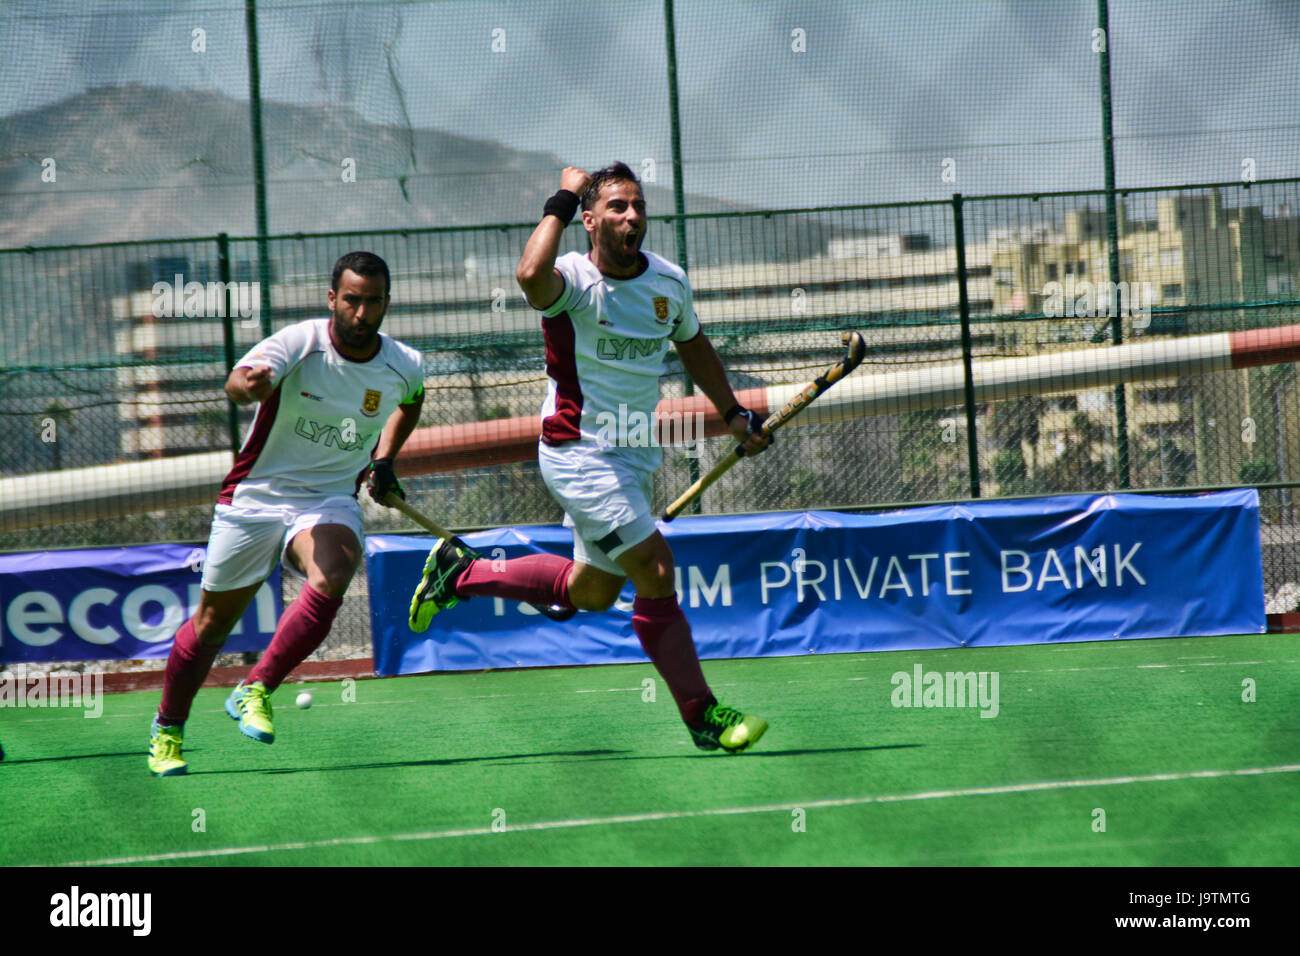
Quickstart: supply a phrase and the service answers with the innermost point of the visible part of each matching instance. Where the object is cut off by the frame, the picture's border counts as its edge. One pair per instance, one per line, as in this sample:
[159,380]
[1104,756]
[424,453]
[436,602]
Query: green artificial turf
[575,766]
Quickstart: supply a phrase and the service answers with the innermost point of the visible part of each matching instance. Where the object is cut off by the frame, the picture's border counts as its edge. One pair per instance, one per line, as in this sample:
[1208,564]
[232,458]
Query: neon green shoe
[727,728]
[165,751]
[437,590]
[250,704]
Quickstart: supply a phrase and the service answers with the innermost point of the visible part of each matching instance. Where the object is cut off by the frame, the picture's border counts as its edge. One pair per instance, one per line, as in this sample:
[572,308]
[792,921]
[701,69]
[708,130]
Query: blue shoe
[250,704]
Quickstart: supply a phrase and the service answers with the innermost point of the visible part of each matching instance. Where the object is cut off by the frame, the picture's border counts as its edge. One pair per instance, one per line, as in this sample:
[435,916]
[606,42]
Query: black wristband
[563,204]
[755,422]
[731,413]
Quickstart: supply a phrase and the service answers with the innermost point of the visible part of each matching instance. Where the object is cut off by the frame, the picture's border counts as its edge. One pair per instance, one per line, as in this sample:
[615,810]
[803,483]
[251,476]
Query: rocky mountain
[137,162]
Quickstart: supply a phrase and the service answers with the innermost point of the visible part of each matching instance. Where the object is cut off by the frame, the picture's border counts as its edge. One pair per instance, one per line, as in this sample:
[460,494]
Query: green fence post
[963,305]
[228,335]
[259,164]
[1112,243]
[679,197]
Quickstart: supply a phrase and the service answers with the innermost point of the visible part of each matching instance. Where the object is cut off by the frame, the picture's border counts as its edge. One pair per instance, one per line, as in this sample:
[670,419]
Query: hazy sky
[783,103]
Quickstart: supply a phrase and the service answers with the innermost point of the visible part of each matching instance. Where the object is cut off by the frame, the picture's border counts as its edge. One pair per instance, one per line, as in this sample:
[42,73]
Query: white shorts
[606,501]
[247,541]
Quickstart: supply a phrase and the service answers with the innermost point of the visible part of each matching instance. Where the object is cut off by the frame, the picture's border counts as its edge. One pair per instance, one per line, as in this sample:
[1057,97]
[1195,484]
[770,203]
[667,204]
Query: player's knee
[592,602]
[332,582]
[656,579]
[594,596]
[656,589]
[212,629]
[588,593]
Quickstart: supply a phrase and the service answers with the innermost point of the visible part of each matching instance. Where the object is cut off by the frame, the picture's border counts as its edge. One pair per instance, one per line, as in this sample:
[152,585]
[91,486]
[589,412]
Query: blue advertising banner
[1072,568]
[113,603]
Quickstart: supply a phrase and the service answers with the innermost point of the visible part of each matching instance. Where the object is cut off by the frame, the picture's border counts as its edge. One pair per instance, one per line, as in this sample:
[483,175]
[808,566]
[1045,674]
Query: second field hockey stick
[856,351]
[428,524]
[419,517]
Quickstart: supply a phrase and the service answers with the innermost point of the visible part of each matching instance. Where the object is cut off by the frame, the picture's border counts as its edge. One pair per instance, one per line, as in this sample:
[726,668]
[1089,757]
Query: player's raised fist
[575,180]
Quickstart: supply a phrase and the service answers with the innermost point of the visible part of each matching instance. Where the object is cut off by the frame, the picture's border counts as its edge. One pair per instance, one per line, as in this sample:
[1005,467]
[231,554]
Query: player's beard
[355,337]
[622,253]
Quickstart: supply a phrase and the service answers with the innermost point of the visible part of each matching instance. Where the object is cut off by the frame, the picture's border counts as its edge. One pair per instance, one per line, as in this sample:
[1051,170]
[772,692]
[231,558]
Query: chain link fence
[430,133]
[108,371]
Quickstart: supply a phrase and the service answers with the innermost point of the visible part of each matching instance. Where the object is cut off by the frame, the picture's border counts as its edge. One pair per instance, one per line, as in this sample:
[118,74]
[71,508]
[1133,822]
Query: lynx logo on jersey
[613,347]
[661,308]
[345,439]
[371,403]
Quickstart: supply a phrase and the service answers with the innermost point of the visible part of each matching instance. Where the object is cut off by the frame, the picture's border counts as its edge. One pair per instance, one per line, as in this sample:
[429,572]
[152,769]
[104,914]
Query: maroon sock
[187,668]
[302,627]
[666,636]
[541,579]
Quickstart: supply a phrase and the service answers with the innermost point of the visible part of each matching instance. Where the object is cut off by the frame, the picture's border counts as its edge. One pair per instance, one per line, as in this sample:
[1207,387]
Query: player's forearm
[702,364]
[536,270]
[397,429]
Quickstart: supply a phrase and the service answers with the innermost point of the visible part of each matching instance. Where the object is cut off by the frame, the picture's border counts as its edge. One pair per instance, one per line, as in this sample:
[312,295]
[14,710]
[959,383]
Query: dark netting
[1200,91]
[821,148]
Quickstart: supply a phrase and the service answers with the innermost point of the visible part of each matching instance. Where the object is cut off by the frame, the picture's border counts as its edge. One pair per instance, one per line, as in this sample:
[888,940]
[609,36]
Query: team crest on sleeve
[371,403]
[661,307]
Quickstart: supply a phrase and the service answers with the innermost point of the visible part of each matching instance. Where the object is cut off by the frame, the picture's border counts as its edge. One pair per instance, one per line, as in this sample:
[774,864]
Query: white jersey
[606,349]
[314,435]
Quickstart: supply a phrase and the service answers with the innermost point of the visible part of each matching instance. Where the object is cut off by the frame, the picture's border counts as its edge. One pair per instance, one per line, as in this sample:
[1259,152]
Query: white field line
[1126,667]
[687,814]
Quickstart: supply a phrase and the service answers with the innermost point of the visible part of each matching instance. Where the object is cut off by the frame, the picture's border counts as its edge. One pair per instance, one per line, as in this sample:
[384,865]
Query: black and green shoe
[437,589]
[727,728]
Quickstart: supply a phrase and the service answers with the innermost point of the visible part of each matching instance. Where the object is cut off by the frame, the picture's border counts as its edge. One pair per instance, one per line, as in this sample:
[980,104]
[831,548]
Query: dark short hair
[611,173]
[365,264]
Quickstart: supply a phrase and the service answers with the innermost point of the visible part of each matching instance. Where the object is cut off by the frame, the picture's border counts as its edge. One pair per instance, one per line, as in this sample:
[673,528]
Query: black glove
[755,427]
[383,480]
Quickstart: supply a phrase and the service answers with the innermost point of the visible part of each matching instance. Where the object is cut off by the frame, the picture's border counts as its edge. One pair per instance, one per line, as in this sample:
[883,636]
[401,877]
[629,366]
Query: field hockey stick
[394,500]
[856,351]
[428,524]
